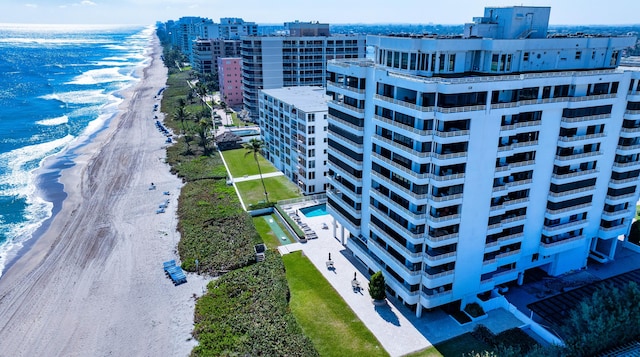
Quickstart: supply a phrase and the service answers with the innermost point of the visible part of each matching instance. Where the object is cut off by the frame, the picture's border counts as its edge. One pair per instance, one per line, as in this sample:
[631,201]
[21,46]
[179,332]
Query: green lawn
[278,188]
[267,235]
[240,165]
[324,317]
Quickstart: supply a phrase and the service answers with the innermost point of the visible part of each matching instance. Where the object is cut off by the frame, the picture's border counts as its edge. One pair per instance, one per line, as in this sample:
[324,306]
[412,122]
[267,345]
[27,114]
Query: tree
[377,286]
[201,91]
[609,318]
[204,127]
[254,146]
[181,114]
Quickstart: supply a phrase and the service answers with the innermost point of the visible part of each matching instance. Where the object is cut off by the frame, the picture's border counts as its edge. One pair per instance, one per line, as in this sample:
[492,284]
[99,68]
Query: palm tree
[201,90]
[254,146]
[204,126]
[181,114]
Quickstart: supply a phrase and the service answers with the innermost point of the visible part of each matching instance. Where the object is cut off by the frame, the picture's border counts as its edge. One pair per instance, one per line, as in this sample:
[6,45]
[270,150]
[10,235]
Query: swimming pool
[315,211]
[246,132]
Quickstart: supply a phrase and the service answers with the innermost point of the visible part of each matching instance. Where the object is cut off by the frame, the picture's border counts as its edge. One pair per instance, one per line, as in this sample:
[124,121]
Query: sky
[146,12]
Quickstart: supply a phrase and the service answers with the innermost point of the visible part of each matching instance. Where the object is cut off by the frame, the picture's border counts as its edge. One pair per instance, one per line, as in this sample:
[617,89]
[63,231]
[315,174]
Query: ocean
[58,87]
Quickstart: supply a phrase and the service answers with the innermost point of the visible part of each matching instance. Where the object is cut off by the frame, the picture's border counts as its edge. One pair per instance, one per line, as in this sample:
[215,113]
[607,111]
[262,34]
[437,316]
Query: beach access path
[93,284]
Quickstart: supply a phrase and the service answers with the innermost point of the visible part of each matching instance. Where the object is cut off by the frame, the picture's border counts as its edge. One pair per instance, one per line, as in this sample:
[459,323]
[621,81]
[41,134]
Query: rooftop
[306,98]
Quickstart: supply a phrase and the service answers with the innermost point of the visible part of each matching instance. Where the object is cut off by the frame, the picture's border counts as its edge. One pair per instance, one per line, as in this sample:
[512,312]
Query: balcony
[354,110]
[332,86]
[396,246]
[358,130]
[436,299]
[574,174]
[508,239]
[345,141]
[438,279]
[399,148]
[577,156]
[396,187]
[584,206]
[575,138]
[518,145]
[568,226]
[397,167]
[441,237]
[403,103]
[571,192]
[397,125]
[563,245]
[400,229]
[441,258]
[414,217]
[525,124]
[585,118]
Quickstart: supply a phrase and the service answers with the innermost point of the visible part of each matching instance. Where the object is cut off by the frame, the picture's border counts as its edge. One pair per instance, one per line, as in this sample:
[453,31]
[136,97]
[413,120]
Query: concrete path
[256,177]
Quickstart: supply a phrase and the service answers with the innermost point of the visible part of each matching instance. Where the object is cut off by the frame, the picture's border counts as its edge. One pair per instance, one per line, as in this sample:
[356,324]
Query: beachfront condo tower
[458,163]
[293,125]
[295,58]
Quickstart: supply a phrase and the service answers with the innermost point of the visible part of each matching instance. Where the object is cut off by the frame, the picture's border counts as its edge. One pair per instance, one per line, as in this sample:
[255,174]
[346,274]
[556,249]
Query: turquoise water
[271,221]
[59,85]
[315,211]
[246,132]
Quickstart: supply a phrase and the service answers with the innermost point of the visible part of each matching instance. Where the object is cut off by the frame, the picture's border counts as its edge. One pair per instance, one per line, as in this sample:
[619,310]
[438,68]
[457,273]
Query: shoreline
[92,282]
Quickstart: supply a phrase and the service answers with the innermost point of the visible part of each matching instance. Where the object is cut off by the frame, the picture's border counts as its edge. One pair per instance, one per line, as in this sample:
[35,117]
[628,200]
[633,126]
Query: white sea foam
[54,121]
[19,179]
[105,75]
[95,96]
[37,211]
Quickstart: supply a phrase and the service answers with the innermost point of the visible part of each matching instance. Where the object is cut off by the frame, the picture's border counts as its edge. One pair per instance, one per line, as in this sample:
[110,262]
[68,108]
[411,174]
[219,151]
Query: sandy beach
[92,284]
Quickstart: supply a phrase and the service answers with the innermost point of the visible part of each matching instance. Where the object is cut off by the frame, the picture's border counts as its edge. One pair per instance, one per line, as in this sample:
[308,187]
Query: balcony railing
[403,126]
[345,87]
[399,167]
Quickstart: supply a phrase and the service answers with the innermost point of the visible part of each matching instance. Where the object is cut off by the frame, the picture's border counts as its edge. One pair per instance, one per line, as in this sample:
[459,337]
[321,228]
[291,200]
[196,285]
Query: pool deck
[396,327]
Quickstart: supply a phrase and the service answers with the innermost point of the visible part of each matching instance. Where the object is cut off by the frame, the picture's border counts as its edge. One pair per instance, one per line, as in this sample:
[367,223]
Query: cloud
[87,3]
[33,6]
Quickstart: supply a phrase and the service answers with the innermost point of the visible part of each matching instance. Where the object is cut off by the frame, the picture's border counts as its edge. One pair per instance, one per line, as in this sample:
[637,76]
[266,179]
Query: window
[578,55]
[452,63]
[525,57]
[311,153]
[312,175]
[311,130]
[312,141]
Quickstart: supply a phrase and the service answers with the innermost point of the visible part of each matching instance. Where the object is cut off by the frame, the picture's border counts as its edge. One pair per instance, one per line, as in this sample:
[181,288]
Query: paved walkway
[256,177]
[394,325]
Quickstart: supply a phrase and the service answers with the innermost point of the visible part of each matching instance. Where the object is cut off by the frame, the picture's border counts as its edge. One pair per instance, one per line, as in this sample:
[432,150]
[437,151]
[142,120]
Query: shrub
[377,286]
[634,233]
[474,309]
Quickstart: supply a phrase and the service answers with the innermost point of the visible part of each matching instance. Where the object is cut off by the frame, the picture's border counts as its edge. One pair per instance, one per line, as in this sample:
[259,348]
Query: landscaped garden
[240,164]
[278,188]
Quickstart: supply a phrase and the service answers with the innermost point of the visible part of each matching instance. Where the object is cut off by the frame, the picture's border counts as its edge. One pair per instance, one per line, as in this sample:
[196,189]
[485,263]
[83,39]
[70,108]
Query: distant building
[293,123]
[456,164]
[230,80]
[234,28]
[285,61]
[206,52]
[184,31]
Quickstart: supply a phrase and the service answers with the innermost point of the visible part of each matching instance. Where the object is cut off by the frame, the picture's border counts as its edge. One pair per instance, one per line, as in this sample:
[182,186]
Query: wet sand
[92,284]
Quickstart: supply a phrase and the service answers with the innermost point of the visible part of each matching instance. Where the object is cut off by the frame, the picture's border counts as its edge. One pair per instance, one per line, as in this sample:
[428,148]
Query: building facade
[206,52]
[230,80]
[458,163]
[293,125]
[284,61]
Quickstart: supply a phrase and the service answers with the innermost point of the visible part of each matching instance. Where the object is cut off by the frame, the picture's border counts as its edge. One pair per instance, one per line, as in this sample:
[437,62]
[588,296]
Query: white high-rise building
[458,163]
[293,125]
[300,59]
